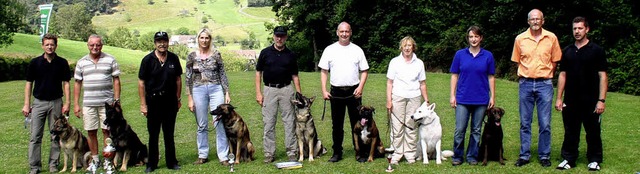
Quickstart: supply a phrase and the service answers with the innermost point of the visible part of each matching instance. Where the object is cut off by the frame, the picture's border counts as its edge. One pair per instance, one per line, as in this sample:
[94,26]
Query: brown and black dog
[237,132]
[491,147]
[74,144]
[366,136]
[125,140]
[306,129]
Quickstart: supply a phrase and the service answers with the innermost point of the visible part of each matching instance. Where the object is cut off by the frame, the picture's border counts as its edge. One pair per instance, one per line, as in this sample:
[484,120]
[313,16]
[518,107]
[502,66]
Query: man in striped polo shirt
[98,73]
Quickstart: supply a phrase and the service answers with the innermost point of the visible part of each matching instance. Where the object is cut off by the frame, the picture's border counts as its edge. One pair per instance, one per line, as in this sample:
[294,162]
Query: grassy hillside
[620,131]
[225,20]
[71,50]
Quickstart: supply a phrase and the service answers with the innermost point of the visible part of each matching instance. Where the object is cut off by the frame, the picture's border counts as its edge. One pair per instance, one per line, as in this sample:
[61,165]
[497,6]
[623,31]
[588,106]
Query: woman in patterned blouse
[207,87]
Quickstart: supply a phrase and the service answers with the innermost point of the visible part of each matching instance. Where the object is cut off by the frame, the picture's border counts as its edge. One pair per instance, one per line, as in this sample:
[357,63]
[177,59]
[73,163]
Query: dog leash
[403,123]
[324,106]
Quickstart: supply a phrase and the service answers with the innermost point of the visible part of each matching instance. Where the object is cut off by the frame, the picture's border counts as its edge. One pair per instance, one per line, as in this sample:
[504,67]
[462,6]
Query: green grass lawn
[620,131]
[225,20]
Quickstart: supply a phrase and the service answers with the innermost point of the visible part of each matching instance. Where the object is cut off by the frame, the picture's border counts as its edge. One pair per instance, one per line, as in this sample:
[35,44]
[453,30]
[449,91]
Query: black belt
[277,85]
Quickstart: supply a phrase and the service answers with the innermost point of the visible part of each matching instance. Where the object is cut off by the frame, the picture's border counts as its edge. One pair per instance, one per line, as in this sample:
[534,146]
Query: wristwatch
[602,100]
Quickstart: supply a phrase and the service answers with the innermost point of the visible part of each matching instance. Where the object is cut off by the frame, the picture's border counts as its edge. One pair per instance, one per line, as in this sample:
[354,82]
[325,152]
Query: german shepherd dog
[491,147]
[125,140]
[237,133]
[306,129]
[366,136]
[73,143]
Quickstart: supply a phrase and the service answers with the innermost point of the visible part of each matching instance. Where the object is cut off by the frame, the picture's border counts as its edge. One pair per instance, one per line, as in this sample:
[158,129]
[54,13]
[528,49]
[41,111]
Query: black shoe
[149,170]
[362,160]
[521,162]
[175,167]
[545,163]
[335,158]
[456,163]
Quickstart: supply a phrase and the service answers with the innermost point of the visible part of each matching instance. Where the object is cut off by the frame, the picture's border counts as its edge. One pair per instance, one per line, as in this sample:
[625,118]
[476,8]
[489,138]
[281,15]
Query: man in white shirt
[348,69]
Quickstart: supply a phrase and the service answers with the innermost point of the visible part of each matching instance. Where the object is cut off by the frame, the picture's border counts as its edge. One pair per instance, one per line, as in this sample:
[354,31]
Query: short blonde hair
[406,40]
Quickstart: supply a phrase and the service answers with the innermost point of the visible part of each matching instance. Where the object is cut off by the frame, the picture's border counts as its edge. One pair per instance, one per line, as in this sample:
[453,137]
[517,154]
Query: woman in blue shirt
[472,92]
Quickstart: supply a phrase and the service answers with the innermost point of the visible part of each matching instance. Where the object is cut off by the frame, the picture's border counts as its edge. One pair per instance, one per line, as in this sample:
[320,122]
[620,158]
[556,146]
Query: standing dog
[72,142]
[237,133]
[491,147]
[306,129]
[430,133]
[366,136]
[125,140]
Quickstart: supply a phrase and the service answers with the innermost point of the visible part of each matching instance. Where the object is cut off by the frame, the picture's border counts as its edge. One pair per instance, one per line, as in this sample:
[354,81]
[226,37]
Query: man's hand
[389,105]
[358,92]
[143,110]
[77,111]
[599,108]
[326,95]
[452,102]
[65,109]
[26,109]
[259,98]
[559,105]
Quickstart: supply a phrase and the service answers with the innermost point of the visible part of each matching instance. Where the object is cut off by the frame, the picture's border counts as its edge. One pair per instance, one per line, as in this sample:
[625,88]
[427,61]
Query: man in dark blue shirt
[583,80]
[49,75]
[277,66]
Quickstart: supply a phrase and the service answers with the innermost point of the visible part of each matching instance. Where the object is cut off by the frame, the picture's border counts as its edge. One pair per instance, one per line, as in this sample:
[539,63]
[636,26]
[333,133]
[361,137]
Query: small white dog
[430,134]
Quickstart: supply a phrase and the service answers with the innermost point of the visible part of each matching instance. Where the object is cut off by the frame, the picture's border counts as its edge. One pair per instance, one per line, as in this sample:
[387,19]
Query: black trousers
[573,118]
[341,98]
[161,114]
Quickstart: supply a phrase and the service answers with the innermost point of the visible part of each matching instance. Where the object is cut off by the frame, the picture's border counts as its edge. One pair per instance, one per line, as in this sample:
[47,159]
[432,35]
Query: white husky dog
[430,134]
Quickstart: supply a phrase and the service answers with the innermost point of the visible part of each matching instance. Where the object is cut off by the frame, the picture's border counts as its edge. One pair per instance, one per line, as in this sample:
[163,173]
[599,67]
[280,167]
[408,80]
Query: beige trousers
[404,130]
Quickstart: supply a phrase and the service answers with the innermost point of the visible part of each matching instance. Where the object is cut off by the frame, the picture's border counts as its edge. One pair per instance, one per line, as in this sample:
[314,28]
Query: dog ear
[432,106]
[311,100]
[359,108]
[501,111]
[230,108]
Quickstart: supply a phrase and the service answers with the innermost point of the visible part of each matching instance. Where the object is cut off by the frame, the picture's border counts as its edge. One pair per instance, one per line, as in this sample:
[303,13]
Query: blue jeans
[463,112]
[535,92]
[206,98]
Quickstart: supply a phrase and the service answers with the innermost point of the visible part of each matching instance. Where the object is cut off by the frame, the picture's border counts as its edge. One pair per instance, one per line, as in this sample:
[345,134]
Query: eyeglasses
[536,19]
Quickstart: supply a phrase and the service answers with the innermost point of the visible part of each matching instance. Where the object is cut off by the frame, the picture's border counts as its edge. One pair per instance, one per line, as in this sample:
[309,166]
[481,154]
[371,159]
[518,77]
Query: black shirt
[581,66]
[277,66]
[48,76]
[157,77]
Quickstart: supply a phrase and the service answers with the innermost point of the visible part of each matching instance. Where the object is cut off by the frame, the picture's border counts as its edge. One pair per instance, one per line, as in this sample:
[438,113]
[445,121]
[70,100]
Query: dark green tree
[12,13]
[72,22]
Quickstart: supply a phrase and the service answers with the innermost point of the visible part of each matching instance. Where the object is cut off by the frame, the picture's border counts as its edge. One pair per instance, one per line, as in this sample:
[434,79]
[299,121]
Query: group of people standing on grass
[582,82]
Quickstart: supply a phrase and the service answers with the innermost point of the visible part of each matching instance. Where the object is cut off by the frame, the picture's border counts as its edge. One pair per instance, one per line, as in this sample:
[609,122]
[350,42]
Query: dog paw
[62,171]
[123,169]
[425,162]
[311,159]
[73,171]
[438,162]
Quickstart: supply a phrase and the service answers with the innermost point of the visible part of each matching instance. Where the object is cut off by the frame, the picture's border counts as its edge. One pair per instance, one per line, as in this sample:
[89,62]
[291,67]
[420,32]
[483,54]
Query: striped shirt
[97,78]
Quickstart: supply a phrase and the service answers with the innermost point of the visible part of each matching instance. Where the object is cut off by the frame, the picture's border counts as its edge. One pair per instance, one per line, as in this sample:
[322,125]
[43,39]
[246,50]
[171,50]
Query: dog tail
[320,149]
[86,159]
[446,154]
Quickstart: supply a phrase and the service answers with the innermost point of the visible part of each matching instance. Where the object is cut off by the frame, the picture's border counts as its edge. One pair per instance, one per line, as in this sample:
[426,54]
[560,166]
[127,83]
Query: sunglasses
[161,34]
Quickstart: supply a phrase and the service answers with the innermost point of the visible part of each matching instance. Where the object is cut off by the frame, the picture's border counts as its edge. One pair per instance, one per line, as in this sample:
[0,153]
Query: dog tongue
[363,121]
[497,123]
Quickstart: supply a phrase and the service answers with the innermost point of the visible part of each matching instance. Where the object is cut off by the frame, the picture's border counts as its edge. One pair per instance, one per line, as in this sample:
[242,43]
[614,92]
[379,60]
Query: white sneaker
[105,164]
[564,165]
[593,166]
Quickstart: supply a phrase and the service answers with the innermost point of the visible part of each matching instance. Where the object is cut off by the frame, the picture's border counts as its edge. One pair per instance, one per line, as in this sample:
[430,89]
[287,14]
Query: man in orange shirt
[537,52]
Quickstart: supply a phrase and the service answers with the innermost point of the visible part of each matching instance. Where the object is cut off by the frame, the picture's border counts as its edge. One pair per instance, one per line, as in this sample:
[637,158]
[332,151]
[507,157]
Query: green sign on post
[45,13]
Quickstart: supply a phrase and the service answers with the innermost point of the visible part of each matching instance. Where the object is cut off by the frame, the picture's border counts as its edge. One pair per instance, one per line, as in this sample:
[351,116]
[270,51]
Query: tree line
[439,28]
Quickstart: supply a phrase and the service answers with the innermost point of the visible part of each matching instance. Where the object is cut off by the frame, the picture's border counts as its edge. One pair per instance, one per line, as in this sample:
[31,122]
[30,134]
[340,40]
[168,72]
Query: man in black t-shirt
[583,79]
[277,67]
[159,89]
[49,75]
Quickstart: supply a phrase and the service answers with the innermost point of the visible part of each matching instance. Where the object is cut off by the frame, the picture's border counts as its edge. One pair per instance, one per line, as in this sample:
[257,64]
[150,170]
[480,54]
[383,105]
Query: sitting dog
[366,136]
[125,140]
[491,147]
[306,129]
[237,133]
[73,143]
[430,134]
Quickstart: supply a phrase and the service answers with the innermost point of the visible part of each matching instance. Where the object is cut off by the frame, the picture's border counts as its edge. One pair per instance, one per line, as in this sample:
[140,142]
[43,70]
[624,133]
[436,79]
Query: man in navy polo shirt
[49,75]
[277,66]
